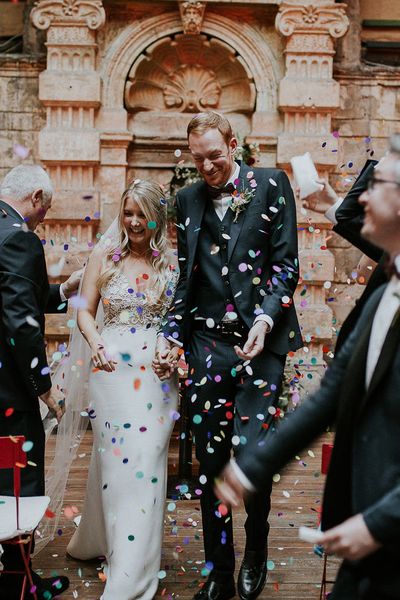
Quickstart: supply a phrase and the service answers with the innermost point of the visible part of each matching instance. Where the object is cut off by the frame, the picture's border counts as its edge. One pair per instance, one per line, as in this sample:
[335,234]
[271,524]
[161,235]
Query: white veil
[70,382]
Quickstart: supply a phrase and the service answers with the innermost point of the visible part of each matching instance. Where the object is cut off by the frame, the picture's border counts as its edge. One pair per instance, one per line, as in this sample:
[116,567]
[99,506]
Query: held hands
[321,201]
[166,358]
[100,358]
[71,285]
[56,408]
[351,539]
[255,341]
[228,488]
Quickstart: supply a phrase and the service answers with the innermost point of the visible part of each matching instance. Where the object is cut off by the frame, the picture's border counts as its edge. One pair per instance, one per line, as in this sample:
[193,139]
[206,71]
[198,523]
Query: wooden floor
[294,570]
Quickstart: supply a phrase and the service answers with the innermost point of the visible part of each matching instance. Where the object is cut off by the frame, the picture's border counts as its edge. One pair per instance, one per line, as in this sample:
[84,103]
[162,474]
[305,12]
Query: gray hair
[394,148]
[23,180]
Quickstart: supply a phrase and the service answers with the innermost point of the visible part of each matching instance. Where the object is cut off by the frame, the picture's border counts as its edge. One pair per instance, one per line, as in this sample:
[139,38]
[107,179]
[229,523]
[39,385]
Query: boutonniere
[242,195]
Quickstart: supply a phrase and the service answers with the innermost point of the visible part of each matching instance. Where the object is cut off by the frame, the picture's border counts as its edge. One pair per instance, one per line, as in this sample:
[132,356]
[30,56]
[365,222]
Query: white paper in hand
[305,174]
[312,536]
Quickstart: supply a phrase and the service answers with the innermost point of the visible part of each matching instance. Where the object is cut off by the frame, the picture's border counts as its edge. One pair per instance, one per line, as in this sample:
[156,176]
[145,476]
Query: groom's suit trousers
[230,407]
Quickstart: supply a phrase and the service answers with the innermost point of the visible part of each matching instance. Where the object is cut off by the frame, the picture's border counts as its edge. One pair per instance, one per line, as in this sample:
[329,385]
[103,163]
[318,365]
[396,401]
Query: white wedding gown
[132,420]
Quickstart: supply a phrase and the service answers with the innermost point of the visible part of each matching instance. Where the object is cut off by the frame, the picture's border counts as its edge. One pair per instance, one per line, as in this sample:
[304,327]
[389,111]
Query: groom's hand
[255,341]
[58,409]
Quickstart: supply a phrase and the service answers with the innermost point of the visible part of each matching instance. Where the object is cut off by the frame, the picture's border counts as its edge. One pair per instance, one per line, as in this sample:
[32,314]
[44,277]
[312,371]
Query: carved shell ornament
[189,74]
[192,89]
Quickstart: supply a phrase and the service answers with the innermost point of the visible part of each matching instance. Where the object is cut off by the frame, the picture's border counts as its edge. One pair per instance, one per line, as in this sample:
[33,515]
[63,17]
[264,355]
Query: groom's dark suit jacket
[25,295]
[364,473]
[267,225]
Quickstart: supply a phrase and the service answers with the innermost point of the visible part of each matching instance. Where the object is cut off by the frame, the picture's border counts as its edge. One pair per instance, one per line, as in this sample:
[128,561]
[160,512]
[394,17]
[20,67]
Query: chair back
[12,456]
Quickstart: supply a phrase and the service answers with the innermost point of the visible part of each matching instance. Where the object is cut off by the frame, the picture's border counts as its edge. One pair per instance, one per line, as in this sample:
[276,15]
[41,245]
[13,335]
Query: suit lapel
[390,346]
[236,228]
[196,214]
[6,209]
[353,387]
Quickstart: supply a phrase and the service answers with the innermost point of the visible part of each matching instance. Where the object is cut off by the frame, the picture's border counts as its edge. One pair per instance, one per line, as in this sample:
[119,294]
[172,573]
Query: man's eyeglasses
[375,180]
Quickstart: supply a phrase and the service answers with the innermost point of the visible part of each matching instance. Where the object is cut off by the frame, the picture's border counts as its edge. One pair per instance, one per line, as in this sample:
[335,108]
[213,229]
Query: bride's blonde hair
[150,198]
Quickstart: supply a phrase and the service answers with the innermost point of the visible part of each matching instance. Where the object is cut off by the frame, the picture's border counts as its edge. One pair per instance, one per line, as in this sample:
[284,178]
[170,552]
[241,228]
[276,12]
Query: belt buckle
[225,328]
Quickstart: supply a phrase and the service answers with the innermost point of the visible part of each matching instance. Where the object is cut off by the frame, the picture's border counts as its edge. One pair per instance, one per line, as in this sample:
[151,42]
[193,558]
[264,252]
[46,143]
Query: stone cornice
[310,18]
[68,12]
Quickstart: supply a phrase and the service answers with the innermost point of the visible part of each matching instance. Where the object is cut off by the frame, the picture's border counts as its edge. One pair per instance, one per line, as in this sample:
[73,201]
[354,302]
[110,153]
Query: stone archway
[251,55]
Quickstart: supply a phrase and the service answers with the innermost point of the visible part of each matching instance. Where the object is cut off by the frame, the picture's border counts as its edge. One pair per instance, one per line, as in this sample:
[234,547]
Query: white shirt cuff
[62,295]
[331,212]
[241,476]
[267,319]
[170,339]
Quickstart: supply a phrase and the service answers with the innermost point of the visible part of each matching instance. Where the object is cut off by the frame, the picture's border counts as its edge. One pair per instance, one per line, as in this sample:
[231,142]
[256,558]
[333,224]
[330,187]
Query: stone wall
[22,115]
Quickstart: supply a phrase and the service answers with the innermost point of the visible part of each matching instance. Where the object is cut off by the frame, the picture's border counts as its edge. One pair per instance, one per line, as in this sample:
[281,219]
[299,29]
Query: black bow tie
[214,192]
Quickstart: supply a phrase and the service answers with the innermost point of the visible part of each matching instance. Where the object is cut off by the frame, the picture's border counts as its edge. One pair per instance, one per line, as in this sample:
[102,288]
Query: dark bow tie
[214,192]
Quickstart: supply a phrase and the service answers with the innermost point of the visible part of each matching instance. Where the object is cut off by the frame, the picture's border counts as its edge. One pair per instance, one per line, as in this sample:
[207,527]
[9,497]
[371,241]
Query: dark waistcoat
[213,294]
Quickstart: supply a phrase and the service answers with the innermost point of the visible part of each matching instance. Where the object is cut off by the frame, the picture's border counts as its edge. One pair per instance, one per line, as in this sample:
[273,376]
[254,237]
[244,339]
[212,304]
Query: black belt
[224,328]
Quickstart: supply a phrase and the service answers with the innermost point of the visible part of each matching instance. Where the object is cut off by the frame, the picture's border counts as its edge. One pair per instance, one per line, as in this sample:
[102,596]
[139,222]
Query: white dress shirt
[384,315]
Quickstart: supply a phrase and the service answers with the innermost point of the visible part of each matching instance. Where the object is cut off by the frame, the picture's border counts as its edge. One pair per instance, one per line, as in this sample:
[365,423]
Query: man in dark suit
[234,314]
[360,392]
[25,295]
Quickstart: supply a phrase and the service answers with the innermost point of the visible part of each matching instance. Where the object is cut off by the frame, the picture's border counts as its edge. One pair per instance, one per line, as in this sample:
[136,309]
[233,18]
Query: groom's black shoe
[216,590]
[252,575]
[46,588]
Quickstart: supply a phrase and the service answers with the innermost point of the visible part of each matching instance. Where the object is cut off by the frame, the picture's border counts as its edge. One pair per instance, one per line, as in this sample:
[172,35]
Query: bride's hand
[165,364]
[101,359]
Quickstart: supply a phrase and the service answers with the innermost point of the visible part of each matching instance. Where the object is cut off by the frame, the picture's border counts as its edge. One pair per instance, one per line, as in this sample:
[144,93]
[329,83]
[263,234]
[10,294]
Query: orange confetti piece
[136,384]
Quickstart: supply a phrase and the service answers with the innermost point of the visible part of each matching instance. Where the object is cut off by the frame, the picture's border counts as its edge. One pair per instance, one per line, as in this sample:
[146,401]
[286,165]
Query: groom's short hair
[204,121]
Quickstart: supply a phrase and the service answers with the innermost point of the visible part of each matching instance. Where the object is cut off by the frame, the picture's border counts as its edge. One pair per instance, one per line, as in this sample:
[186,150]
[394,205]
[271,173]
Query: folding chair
[325,460]
[19,517]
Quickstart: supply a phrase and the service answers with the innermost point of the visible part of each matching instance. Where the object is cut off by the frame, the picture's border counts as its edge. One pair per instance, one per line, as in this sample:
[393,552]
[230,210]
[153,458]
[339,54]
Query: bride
[133,275]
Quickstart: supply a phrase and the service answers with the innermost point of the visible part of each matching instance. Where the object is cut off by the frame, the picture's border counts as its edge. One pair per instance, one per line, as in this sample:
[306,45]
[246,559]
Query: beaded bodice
[126,308]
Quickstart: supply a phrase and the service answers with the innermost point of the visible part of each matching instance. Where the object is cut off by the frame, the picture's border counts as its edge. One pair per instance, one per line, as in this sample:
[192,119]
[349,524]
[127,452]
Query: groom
[25,295]
[234,315]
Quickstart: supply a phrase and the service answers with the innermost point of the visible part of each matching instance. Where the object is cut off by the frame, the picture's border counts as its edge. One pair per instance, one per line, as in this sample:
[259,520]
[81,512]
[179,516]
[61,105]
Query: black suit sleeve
[54,302]
[172,326]
[300,428]
[24,265]
[383,517]
[350,215]
[282,250]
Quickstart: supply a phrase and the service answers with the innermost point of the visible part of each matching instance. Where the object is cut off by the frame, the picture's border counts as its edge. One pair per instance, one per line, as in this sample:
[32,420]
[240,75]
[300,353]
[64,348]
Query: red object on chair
[12,456]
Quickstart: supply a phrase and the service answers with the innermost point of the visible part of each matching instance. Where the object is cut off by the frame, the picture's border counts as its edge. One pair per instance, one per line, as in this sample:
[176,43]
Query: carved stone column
[308,95]
[69,144]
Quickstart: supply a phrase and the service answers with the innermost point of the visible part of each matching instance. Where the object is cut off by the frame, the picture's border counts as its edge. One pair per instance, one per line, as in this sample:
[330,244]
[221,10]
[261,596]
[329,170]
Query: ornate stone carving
[192,89]
[85,12]
[189,74]
[330,19]
[192,14]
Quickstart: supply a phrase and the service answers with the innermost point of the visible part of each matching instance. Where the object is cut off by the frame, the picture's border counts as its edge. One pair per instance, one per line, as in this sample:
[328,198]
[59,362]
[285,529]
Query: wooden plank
[296,571]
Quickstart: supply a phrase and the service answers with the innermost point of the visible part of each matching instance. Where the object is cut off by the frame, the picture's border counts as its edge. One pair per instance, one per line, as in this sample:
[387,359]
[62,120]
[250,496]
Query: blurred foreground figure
[361,507]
